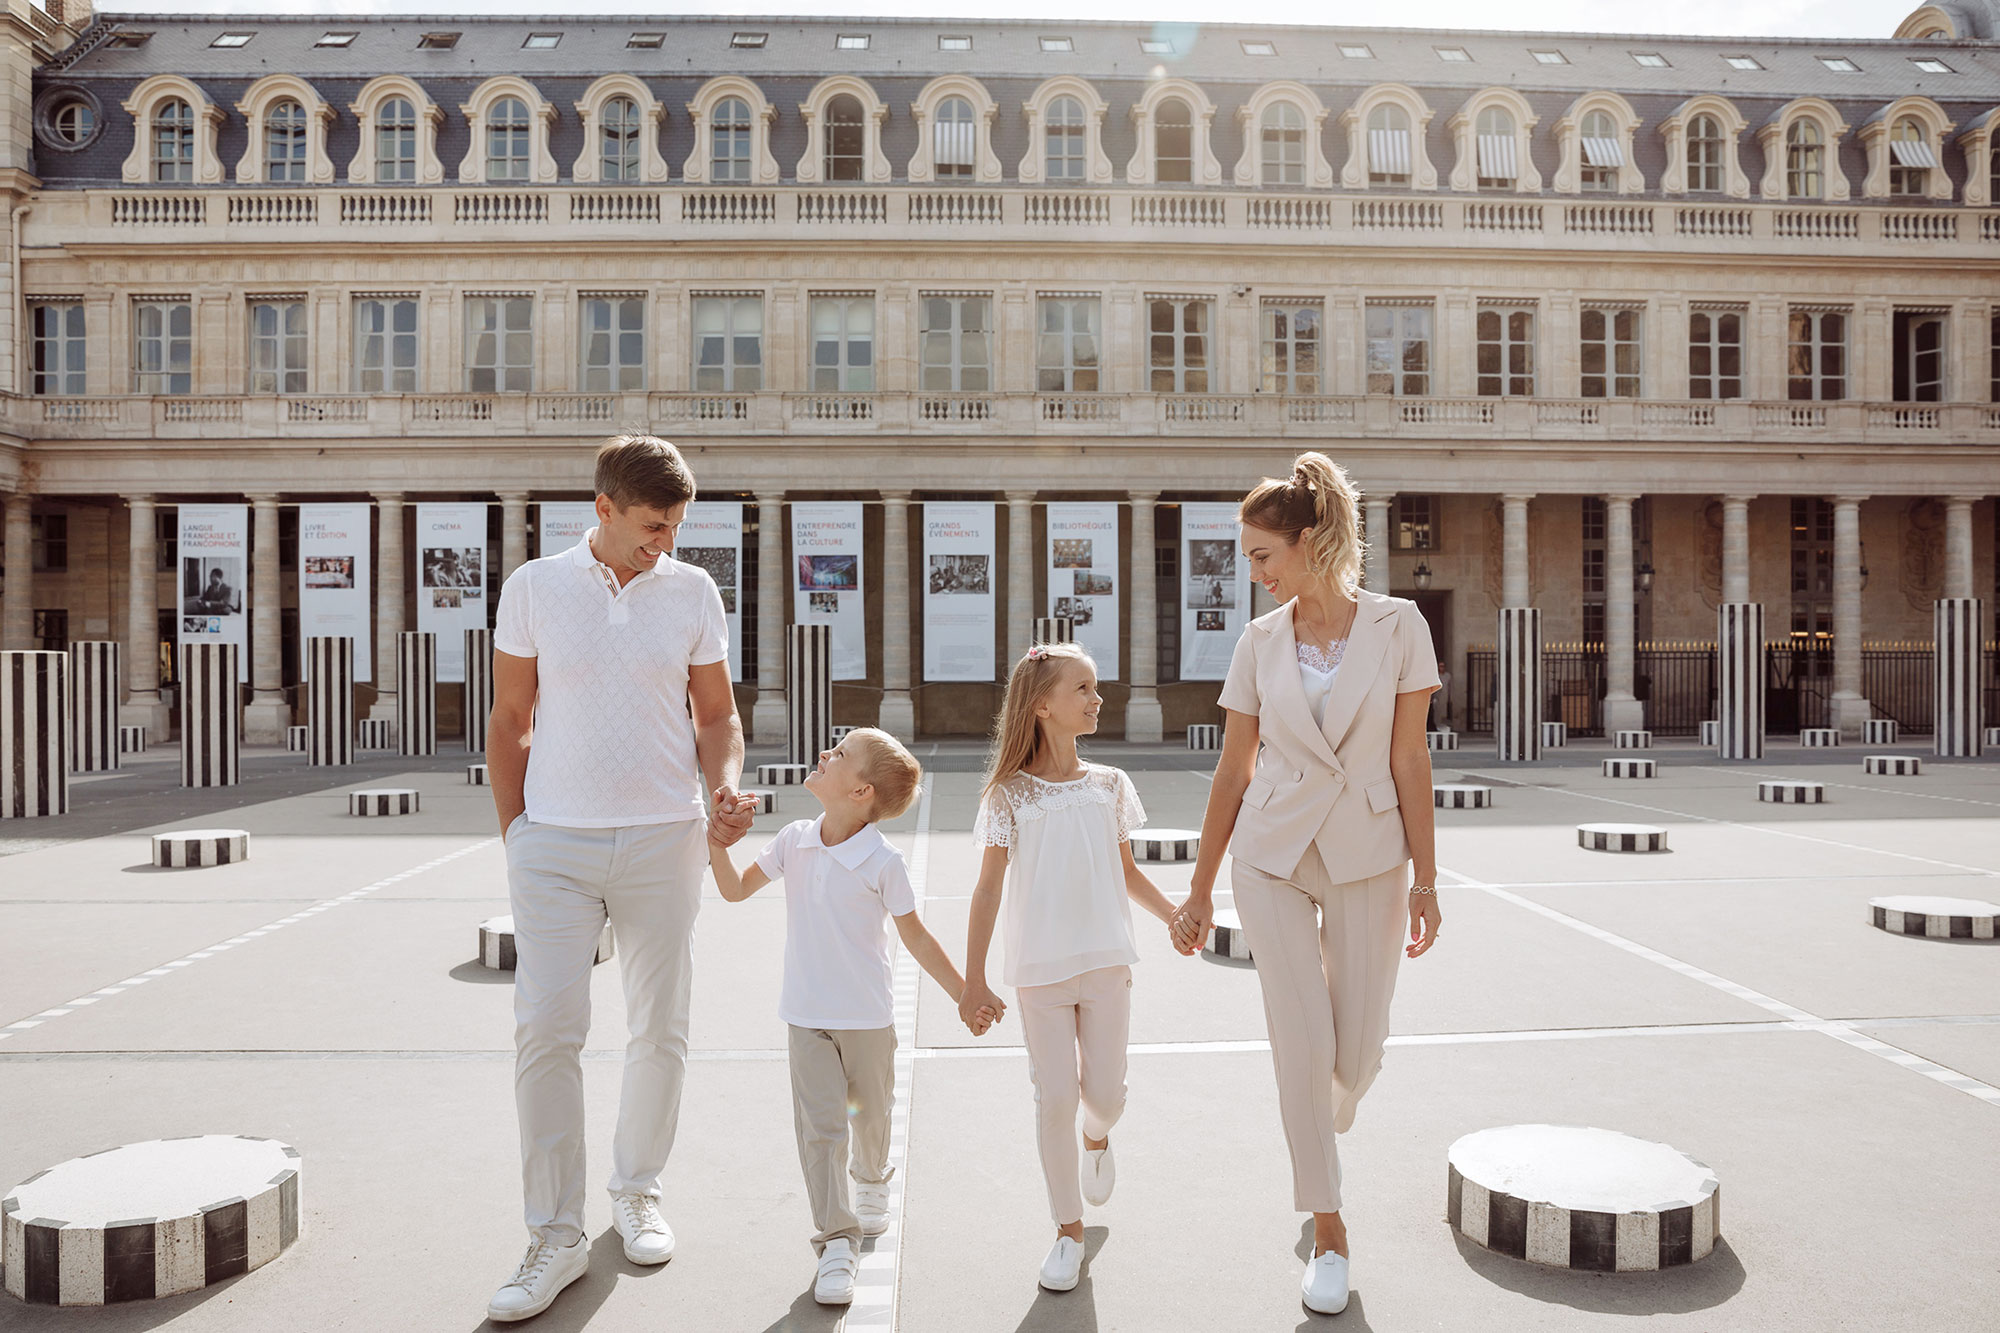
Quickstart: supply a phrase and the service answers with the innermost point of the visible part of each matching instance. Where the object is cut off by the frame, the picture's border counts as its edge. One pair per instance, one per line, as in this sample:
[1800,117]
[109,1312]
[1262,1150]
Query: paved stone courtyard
[1728,997]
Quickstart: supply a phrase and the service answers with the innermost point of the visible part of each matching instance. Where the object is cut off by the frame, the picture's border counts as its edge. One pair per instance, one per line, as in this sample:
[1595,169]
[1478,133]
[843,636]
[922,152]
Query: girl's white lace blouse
[1063,910]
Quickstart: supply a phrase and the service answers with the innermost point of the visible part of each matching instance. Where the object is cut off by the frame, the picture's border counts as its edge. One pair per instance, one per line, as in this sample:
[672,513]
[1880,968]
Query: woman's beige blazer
[1328,784]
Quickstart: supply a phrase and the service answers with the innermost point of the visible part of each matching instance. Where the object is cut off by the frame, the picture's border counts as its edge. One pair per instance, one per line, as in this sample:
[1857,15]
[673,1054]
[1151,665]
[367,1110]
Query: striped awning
[954,143]
[1496,157]
[1911,153]
[1389,152]
[1603,153]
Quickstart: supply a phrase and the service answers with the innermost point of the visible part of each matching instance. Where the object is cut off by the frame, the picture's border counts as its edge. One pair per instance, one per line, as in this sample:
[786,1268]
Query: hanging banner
[711,536]
[826,561]
[1083,577]
[451,580]
[561,524]
[334,597]
[1215,589]
[958,591]
[215,563]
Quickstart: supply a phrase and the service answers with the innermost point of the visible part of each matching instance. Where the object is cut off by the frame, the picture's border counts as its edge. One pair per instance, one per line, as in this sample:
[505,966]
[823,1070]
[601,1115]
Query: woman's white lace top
[1317,668]
[1063,911]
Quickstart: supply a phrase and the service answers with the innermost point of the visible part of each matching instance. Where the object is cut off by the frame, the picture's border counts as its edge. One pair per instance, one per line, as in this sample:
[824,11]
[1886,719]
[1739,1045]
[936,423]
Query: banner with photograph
[1215,589]
[561,524]
[334,596]
[451,579]
[215,569]
[958,591]
[826,581]
[711,536]
[1083,577]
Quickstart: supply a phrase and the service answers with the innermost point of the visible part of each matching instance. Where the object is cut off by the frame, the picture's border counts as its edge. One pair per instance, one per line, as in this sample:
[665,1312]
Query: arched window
[507,131]
[1388,145]
[173,143]
[396,141]
[285,143]
[729,141]
[1805,161]
[618,140]
[1704,154]
[1283,135]
[846,140]
[1601,152]
[954,140]
[1498,164]
[1173,143]
[1066,141]
[1910,159]
[1993,172]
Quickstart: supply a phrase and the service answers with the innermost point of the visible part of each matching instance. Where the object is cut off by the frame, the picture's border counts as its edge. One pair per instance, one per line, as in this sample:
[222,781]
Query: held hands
[731,817]
[980,1008]
[1191,923]
[1424,921]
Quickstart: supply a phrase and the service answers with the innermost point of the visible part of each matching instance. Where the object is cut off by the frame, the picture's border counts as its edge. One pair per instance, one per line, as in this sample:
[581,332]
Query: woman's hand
[1192,921]
[1424,921]
[979,1007]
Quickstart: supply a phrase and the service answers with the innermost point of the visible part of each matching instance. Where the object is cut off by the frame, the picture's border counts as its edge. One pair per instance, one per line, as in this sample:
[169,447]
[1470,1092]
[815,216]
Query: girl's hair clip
[1039,652]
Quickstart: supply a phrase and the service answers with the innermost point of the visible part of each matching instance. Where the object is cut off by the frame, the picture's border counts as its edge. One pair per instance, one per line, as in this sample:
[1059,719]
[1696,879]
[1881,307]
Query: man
[612,714]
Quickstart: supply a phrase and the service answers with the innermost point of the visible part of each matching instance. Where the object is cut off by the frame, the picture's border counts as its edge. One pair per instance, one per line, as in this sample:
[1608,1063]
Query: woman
[1335,685]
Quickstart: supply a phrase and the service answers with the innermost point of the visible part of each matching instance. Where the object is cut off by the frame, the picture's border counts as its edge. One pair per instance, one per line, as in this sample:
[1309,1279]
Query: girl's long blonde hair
[1017,735]
[1320,504]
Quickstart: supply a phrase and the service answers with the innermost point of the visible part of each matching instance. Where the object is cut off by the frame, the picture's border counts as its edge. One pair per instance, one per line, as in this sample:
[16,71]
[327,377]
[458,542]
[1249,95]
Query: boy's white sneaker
[871,1206]
[1064,1266]
[835,1283]
[1324,1286]
[545,1270]
[1100,1173]
[648,1239]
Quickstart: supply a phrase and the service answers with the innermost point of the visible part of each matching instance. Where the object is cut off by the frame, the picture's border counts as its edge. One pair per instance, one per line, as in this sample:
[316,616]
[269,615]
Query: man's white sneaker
[545,1270]
[835,1283]
[1324,1286]
[1064,1265]
[1100,1173]
[648,1239]
[871,1207]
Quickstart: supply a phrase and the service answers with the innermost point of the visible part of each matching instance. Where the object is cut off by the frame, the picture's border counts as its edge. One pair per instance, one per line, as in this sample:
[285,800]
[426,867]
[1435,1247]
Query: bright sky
[1776,18]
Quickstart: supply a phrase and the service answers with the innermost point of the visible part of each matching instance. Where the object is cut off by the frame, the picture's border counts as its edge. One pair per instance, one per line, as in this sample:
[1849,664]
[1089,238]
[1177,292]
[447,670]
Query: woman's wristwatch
[1431,889]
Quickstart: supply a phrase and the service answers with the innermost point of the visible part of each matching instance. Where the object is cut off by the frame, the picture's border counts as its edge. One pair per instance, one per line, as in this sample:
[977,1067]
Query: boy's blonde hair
[1017,734]
[893,770]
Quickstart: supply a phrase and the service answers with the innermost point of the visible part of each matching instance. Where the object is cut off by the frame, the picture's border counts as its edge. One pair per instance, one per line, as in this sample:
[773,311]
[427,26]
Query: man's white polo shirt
[838,901]
[613,742]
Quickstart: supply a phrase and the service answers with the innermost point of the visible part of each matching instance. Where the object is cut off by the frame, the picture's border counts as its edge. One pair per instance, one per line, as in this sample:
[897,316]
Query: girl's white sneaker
[835,1282]
[871,1208]
[1064,1266]
[1324,1286]
[1100,1173]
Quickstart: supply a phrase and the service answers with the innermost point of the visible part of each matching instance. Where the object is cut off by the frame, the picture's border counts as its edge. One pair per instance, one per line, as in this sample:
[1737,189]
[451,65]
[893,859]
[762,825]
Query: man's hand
[731,817]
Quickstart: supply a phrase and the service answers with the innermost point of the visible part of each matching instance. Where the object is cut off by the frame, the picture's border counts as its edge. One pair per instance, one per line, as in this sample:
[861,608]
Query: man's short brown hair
[893,769]
[643,469]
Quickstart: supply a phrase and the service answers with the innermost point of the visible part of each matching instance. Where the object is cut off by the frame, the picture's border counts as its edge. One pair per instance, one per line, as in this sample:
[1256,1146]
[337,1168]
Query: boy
[843,883]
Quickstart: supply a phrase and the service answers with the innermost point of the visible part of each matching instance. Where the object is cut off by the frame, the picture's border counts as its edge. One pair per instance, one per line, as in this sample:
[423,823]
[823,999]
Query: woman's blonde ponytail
[1320,504]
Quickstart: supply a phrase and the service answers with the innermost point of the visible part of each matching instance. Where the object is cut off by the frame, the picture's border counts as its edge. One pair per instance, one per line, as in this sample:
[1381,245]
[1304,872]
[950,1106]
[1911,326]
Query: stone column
[1622,709]
[1736,548]
[1514,550]
[1143,719]
[767,715]
[267,716]
[1958,545]
[1850,706]
[513,532]
[388,600]
[143,706]
[899,714]
[1020,575]
[17,611]
[1375,561]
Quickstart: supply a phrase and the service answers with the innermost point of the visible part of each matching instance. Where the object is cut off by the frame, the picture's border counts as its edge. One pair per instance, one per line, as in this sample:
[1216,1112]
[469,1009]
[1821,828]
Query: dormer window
[1356,52]
[645,41]
[1840,64]
[1602,153]
[1910,159]
[1154,46]
[851,41]
[542,41]
[1649,60]
[1743,62]
[1549,57]
[748,41]
[1053,44]
[1453,55]
[129,40]
[233,39]
[954,43]
[1259,48]
[1931,65]
[438,41]
[336,39]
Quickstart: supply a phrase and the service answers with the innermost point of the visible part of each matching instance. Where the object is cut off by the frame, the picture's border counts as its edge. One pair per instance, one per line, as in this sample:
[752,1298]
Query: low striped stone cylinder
[1740,681]
[34,735]
[1621,838]
[295,740]
[840,732]
[1993,736]
[1166,844]
[330,701]
[1711,733]
[1958,734]
[382,801]
[376,733]
[478,688]
[1819,738]
[416,693]
[1879,731]
[95,681]
[808,693]
[1517,712]
[1461,796]
[1227,940]
[1892,765]
[211,715]
[1052,629]
[1934,918]
[190,848]
[1441,740]
[767,800]
[475,775]
[1785,792]
[131,740]
[1555,735]
[1631,768]
[496,944]
[1204,736]
[783,775]
[1632,740]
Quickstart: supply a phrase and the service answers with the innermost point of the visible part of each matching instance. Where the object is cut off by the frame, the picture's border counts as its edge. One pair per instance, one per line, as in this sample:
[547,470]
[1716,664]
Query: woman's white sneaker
[871,1208]
[1100,1173]
[1064,1266]
[545,1270]
[835,1283]
[648,1239]
[1324,1286]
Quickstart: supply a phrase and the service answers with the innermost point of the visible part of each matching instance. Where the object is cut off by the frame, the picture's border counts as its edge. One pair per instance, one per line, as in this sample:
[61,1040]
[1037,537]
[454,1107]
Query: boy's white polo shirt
[838,901]
[613,742]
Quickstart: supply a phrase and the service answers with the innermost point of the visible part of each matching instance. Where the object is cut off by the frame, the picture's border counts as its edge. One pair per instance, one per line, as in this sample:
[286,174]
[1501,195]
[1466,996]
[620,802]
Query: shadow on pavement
[1073,1311]
[1700,1286]
[583,1298]
[808,1316]
[480,974]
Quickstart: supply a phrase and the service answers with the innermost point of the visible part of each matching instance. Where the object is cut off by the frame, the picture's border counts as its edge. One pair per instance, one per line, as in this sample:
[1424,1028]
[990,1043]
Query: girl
[1064,827]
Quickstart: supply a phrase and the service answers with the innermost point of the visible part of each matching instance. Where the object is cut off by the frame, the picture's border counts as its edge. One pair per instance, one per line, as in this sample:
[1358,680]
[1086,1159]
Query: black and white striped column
[1740,680]
[478,688]
[131,740]
[1204,736]
[416,692]
[1166,844]
[211,715]
[1957,734]
[95,680]
[329,701]
[808,692]
[34,735]
[1517,712]
[1052,629]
